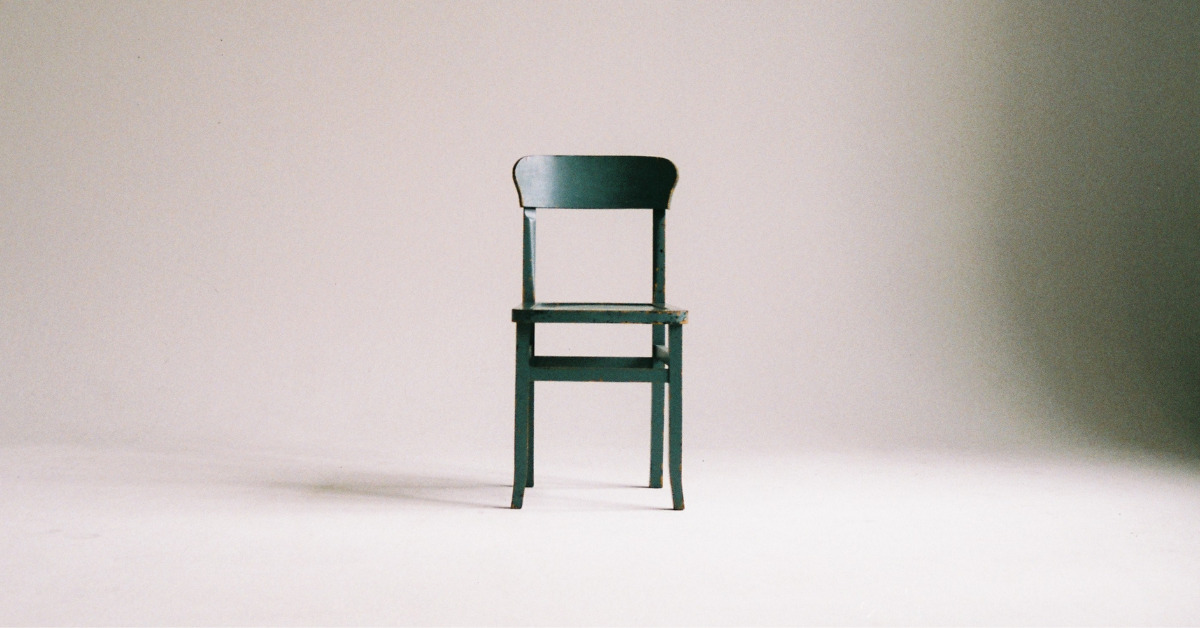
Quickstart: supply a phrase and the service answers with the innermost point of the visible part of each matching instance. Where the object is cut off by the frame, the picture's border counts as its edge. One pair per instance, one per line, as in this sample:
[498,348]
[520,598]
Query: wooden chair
[593,182]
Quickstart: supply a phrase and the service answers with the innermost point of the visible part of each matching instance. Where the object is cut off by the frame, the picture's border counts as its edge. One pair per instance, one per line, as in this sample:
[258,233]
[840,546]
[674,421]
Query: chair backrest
[594,182]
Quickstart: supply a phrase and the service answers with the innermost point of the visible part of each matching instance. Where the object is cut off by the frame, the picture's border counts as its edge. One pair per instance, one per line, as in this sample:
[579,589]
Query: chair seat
[645,313]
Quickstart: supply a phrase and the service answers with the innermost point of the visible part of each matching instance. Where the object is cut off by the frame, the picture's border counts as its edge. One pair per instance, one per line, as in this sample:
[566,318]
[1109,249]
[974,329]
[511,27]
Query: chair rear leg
[656,434]
[522,412]
[675,369]
[657,338]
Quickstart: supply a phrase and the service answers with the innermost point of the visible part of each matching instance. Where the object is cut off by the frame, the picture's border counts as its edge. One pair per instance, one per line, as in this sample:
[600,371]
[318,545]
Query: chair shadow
[423,489]
[310,479]
[458,492]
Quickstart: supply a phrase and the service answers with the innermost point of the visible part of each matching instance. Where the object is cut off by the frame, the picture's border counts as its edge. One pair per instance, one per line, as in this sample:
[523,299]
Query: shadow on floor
[428,489]
[461,492]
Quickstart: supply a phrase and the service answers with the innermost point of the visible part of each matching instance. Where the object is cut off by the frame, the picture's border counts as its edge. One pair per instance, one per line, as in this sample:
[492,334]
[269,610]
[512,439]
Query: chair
[594,182]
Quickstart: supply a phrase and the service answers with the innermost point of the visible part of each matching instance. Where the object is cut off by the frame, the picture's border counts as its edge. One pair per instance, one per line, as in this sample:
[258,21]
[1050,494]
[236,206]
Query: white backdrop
[278,226]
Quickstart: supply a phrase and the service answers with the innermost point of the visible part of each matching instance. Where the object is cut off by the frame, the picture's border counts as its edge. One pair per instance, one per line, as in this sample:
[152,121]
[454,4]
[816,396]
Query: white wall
[293,225]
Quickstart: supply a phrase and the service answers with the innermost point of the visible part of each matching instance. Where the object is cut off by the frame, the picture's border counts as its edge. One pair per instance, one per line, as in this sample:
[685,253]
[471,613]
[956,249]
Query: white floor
[109,537]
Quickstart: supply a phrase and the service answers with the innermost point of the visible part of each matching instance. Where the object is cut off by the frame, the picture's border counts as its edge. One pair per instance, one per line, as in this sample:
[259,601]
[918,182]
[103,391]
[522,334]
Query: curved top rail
[594,181]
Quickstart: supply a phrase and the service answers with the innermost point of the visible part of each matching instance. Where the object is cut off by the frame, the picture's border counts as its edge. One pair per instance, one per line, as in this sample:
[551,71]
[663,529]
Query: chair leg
[675,370]
[523,410]
[529,420]
[530,412]
[656,433]
[656,414]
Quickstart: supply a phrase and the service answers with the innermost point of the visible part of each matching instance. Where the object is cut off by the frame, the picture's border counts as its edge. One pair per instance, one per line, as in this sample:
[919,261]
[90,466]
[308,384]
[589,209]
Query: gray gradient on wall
[898,224]
[1098,212]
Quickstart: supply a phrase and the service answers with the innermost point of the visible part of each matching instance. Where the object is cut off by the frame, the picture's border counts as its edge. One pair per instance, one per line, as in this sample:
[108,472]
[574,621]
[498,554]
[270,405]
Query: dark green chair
[592,182]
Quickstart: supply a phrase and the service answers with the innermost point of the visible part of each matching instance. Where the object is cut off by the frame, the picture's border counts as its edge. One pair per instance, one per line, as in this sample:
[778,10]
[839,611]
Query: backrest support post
[528,256]
[660,253]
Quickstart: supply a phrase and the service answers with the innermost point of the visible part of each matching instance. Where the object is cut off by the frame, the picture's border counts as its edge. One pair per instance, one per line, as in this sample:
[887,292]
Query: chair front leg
[657,399]
[675,375]
[522,413]
[529,413]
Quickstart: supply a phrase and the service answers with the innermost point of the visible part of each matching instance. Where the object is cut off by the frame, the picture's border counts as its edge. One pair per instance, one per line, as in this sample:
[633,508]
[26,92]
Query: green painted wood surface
[594,182]
[524,415]
[661,356]
[529,388]
[636,313]
[528,257]
[587,182]
[574,361]
[659,258]
[658,340]
[597,374]
[675,420]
